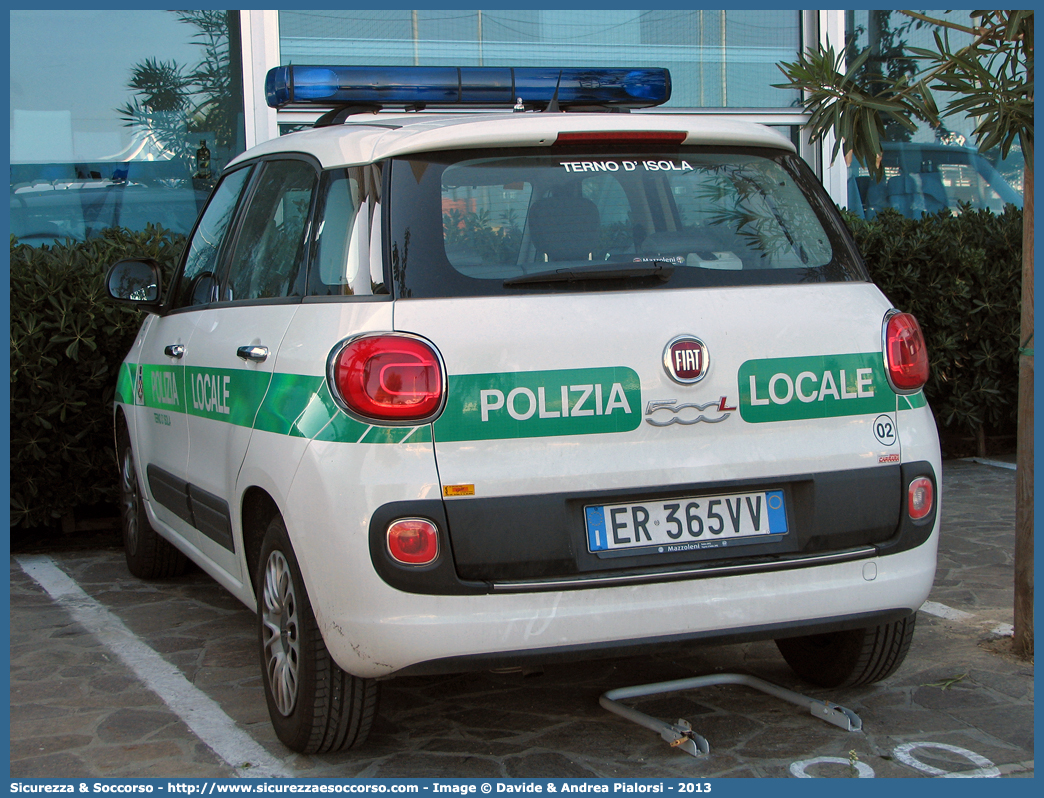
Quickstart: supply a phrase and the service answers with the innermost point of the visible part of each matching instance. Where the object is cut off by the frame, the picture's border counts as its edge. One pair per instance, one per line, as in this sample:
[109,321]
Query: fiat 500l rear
[667,405]
[636,395]
[446,392]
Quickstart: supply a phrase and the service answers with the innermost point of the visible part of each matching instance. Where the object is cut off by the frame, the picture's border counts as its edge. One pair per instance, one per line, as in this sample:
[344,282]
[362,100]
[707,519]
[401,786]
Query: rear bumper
[374,630]
[648,645]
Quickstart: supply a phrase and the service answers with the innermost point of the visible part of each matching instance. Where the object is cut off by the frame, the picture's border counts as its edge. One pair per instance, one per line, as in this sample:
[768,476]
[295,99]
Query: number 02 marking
[884,430]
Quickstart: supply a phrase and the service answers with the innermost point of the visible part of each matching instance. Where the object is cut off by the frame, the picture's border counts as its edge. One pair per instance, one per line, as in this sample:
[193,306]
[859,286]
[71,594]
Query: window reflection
[199,281]
[119,141]
[927,170]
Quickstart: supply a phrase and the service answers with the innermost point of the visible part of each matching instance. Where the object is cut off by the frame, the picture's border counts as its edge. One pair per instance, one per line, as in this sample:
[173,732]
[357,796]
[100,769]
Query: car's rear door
[740,353]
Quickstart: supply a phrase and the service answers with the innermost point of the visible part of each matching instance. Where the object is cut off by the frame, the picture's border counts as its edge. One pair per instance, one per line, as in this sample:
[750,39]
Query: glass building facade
[106,136]
[122,136]
[717,59]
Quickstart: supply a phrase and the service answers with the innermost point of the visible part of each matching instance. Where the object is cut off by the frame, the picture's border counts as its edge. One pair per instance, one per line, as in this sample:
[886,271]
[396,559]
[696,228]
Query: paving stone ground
[77,711]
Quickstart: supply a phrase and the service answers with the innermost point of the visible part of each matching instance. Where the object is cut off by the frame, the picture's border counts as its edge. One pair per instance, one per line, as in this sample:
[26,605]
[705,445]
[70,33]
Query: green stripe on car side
[912,402]
[282,411]
[419,435]
[386,434]
[125,384]
[285,404]
[509,405]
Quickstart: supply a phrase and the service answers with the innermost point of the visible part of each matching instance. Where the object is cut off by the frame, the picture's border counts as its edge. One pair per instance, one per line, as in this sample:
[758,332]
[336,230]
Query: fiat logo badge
[686,360]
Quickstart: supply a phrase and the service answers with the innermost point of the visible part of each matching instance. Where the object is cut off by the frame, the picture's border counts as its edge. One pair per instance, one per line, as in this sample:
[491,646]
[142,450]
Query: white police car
[460,390]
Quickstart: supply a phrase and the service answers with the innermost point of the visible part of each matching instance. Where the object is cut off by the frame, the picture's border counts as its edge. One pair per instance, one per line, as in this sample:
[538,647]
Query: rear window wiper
[598,271]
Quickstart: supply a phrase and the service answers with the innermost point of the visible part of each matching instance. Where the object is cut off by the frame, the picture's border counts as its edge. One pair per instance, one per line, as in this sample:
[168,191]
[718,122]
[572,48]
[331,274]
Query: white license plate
[686,524]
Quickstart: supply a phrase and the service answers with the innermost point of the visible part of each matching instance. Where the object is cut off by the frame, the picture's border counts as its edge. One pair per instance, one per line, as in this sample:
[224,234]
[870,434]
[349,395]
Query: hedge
[67,342]
[959,275]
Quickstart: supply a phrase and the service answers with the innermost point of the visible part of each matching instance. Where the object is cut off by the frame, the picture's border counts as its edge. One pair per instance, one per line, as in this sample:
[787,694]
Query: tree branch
[942,23]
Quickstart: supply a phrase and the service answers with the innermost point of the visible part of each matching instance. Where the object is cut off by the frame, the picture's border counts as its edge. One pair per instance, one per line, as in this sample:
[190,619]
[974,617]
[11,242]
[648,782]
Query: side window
[198,284]
[337,262]
[347,230]
[270,247]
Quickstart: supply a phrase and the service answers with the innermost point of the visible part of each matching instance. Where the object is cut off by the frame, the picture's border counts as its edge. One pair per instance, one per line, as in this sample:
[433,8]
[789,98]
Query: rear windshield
[502,222]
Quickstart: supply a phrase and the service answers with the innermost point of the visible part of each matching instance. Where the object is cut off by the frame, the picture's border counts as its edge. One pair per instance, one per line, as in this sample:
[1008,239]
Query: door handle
[174,350]
[257,354]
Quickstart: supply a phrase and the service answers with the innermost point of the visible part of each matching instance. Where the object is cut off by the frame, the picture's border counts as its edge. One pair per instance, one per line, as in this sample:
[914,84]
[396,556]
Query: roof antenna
[552,107]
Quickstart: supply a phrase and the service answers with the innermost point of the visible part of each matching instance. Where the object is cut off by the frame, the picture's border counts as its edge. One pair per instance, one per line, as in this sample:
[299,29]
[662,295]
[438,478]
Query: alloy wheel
[282,638]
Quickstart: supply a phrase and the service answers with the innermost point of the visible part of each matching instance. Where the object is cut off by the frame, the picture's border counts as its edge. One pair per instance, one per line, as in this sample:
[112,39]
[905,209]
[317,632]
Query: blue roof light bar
[332,86]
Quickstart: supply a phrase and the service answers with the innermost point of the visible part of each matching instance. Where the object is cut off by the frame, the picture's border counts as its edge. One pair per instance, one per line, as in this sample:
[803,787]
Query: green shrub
[961,277]
[67,342]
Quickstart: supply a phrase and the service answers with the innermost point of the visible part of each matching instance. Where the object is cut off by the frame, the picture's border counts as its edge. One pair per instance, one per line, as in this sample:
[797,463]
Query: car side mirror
[136,282]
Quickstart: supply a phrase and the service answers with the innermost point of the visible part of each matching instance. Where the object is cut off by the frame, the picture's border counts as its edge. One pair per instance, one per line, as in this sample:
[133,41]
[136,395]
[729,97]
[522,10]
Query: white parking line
[951,614]
[199,712]
[988,462]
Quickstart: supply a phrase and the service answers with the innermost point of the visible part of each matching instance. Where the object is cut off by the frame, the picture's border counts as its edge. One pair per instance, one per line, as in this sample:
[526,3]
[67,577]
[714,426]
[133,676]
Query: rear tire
[315,706]
[850,658]
[149,556]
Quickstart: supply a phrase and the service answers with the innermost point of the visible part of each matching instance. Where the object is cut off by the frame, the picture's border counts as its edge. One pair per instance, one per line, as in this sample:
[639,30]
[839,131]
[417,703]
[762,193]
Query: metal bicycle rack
[680,734]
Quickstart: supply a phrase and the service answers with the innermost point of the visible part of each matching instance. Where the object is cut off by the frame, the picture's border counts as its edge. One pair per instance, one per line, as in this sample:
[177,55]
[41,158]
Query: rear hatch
[655,359]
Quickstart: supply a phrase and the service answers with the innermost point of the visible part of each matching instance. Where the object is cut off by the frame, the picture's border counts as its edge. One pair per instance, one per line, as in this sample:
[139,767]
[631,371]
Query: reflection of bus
[48,212]
[926,178]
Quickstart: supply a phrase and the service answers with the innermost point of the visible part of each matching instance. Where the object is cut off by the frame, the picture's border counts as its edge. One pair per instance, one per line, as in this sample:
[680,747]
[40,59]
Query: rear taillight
[389,378]
[413,541]
[906,356]
[920,498]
